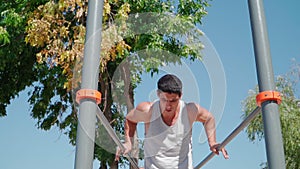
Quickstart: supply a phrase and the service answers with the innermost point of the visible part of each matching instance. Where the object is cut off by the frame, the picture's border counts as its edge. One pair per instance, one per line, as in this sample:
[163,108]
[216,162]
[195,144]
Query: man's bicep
[195,112]
[202,114]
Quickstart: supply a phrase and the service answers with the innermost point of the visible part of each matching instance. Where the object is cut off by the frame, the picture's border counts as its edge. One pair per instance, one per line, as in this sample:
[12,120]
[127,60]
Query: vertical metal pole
[272,128]
[90,73]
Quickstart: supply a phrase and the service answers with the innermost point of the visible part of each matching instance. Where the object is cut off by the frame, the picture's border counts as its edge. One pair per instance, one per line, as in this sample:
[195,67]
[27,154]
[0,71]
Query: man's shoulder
[191,104]
[191,107]
[144,106]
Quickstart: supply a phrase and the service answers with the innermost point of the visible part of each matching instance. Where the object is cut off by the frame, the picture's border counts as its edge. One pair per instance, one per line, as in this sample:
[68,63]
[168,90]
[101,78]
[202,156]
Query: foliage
[17,64]
[42,44]
[289,115]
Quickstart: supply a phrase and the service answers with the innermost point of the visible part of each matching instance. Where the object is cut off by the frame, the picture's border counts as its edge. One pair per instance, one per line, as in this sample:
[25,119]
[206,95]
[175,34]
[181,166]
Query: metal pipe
[114,136]
[270,113]
[232,135]
[90,73]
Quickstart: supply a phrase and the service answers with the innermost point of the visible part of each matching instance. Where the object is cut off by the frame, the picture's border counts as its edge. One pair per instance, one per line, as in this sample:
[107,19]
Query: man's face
[168,101]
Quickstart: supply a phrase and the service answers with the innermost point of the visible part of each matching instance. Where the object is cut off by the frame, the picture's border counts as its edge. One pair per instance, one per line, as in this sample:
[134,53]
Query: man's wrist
[212,143]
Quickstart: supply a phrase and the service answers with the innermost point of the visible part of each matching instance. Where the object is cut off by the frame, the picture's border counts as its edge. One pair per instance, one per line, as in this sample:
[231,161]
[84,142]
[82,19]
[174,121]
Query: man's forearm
[210,130]
[130,128]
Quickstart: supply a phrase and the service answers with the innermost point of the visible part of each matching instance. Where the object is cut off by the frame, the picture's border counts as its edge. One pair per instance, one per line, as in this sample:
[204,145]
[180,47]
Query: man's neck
[170,118]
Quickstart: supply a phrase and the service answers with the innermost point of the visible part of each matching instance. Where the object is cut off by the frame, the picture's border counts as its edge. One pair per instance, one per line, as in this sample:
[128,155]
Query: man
[168,127]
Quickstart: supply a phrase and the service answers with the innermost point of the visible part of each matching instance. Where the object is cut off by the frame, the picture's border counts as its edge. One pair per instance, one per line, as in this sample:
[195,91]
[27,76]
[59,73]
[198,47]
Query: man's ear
[158,92]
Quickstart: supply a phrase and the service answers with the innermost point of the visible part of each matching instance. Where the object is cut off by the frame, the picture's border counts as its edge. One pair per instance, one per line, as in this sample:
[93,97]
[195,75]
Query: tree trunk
[128,94]
[103,165]
[114,165]
[107,111]
[107,102]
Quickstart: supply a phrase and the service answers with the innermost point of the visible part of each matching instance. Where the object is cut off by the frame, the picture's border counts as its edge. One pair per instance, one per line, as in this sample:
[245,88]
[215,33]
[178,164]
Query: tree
[289,116]
[54,31]
[17,64]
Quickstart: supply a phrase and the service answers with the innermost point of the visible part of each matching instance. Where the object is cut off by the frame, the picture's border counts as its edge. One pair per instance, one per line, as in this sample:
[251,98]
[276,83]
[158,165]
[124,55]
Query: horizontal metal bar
[235,132]
[114,136]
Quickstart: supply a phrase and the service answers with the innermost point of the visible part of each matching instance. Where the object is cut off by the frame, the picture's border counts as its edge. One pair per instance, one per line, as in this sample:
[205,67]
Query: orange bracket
[268,95]
[88,94]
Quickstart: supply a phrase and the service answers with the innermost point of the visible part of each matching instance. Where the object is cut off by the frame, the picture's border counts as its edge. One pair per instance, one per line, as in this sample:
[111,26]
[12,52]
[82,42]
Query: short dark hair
[170,83]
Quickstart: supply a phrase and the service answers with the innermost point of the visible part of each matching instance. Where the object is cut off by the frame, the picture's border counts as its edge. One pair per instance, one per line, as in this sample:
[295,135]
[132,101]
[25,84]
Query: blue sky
[227,26]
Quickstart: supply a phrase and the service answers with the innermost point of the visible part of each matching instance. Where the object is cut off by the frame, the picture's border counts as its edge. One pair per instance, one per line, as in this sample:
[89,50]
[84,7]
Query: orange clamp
[268,95]
[88,94]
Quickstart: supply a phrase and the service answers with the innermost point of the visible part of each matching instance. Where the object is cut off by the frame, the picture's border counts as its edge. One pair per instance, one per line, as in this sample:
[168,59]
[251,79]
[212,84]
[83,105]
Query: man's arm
[138,114]
[130,128]
[208,121]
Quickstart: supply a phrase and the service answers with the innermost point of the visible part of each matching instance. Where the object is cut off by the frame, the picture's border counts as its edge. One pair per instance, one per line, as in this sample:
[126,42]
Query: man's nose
[168,104]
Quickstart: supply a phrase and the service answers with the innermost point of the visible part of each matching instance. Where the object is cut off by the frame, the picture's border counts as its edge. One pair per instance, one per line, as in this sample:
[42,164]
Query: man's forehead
[168,95]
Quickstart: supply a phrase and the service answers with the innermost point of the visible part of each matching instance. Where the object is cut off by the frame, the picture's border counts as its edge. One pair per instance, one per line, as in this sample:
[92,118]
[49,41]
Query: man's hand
[127,145]
[214,149]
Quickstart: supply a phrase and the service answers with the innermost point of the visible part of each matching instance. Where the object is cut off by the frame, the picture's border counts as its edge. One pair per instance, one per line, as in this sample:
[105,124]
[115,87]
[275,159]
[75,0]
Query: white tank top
[168,147]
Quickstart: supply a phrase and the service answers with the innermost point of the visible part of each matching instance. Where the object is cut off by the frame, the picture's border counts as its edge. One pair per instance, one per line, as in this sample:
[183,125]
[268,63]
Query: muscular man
[168,127]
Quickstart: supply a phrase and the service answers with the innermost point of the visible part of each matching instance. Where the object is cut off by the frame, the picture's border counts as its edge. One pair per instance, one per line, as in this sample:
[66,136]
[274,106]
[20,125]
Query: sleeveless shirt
[168,147]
